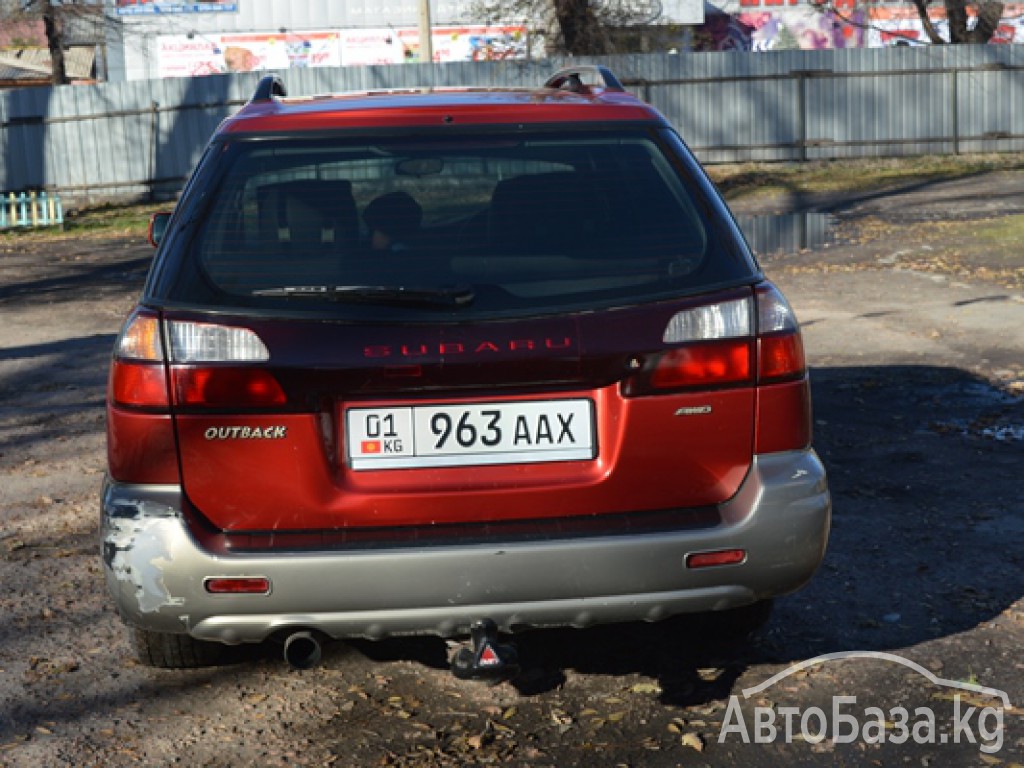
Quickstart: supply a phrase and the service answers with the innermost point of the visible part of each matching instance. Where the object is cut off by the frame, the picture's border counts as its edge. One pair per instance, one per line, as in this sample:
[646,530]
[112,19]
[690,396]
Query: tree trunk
[956,12]
[54,26]
[581,31]
[989,14]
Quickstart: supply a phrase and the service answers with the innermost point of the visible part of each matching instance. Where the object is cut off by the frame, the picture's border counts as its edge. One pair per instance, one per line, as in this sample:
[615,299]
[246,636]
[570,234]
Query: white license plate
[476,433]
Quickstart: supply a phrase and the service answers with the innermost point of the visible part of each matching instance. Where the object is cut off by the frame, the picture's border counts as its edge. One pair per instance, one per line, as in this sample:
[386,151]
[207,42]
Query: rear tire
[170,651]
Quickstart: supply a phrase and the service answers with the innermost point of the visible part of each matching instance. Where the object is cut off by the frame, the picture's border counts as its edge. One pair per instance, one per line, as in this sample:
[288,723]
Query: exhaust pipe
[302,650]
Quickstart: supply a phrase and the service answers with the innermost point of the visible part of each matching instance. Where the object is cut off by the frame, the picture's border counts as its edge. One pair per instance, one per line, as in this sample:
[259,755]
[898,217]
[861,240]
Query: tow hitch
[487,659]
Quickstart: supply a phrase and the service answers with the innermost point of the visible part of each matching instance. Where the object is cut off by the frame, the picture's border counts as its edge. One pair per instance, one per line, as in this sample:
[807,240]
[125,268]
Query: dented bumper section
[156,571]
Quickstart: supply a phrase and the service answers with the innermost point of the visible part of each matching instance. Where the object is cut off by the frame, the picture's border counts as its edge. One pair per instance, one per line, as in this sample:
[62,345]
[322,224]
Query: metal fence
[140,139]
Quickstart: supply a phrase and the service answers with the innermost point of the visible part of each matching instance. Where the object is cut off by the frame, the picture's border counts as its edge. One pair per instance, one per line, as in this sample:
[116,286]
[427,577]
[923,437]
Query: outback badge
[246,433]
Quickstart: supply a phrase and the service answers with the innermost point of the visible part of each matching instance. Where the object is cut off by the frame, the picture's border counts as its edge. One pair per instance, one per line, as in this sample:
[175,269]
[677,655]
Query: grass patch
[1006,231]
[100,222]
[746,180]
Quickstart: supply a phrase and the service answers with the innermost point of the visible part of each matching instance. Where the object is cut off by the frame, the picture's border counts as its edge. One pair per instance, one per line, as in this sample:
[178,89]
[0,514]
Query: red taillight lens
[226,388]
[139,385]
[780,357]
[703,365]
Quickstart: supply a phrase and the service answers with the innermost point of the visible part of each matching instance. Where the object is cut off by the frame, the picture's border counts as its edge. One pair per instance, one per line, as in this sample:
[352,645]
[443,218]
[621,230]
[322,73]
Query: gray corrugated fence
[129,140]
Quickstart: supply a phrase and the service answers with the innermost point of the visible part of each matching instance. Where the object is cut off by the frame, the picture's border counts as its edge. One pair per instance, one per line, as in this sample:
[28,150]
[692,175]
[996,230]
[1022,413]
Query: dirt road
[915,333]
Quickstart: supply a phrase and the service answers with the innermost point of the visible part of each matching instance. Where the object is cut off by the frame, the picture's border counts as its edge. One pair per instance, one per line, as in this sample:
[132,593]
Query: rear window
[482,226]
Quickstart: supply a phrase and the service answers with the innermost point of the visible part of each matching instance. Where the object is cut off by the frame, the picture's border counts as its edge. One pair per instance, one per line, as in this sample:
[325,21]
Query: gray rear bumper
[156,571]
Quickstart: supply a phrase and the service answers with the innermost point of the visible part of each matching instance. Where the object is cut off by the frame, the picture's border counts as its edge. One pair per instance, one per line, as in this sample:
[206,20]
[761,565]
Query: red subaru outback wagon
[450,360]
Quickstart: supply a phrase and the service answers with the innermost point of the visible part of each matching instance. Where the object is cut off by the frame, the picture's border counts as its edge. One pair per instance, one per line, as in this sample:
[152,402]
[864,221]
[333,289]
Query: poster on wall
[804,28]
[139,7]
[365,47]
[213,54]
[197,55]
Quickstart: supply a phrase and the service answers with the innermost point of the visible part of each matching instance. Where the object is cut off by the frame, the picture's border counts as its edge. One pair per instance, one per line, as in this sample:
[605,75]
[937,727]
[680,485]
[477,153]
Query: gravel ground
[918,372]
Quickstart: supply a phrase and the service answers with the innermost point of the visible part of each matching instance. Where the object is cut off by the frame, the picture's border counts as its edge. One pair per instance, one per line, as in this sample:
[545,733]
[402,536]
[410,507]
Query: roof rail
[269,87]
[569,78]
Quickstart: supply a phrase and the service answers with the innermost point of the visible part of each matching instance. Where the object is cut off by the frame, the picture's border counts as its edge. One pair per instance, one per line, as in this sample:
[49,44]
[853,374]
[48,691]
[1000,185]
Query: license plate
[477,433]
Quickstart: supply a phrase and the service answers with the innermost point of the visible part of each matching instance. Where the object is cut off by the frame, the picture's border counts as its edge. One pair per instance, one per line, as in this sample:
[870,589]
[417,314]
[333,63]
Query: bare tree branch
[926,22]
[990,13]
[576,27]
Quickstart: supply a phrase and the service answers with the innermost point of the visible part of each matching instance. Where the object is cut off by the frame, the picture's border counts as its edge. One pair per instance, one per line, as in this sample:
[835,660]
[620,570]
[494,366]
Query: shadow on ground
[926,542]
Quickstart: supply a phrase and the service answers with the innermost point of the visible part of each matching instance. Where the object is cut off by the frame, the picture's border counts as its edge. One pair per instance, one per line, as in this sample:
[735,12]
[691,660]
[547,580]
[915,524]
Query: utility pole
[426,40]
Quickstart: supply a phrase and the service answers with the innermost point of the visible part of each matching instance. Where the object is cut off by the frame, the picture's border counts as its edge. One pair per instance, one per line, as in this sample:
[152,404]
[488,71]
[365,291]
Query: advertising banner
[138,7]
[211,54]
[363,47]
[196,55]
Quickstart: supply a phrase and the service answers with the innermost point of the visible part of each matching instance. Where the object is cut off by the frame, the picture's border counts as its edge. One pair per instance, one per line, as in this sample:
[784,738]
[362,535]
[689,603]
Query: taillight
[139,385]
[207,366]
[712,347]
[207,370]
[137,376]
[703,365]
[736,342]
[780,351]
[783,421]
[226,388]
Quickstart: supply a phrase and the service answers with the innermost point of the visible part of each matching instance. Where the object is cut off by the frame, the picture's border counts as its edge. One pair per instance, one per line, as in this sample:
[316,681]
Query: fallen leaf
[652,688]
[693,741]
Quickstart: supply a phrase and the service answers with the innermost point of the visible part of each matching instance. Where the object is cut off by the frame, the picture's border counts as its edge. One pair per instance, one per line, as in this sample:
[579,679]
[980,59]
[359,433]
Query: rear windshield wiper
[455,296]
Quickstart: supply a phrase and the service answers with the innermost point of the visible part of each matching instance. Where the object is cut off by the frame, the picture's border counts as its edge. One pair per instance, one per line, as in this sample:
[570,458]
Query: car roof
[270,111]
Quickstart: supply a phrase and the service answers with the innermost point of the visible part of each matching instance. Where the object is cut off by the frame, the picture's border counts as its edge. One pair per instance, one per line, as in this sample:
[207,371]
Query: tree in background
[53,25]
[55,17]
[579,27]
[958,12]
[988,13]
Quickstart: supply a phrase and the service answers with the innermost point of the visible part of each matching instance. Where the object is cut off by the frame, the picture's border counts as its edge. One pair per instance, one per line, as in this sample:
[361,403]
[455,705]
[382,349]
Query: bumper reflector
[246,586]
[721,557]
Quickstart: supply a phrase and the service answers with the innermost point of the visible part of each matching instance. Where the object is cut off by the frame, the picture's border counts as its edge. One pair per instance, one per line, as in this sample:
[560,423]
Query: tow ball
[488,659]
